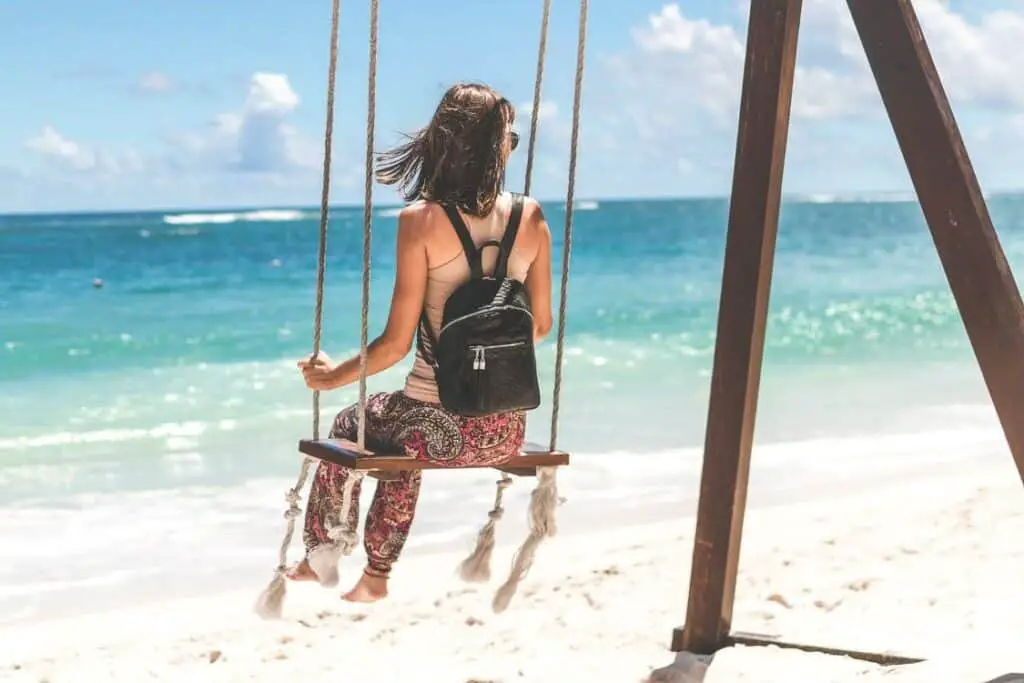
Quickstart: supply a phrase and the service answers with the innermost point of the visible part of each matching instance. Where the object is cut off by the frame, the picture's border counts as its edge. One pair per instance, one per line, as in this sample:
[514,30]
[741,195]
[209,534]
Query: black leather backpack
[483,356]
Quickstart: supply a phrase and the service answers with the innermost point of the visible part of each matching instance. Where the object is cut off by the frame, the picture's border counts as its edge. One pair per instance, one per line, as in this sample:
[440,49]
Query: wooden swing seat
[386,466]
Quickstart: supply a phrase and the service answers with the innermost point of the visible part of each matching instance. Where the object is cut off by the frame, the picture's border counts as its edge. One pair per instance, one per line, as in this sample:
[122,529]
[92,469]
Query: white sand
[933,568]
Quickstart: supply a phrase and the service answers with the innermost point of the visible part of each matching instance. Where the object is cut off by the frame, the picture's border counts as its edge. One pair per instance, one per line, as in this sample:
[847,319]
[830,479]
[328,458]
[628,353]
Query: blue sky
[119,105]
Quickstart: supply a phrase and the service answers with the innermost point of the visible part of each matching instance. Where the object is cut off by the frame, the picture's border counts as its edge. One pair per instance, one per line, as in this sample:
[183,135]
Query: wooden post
[743,307]
[952,202]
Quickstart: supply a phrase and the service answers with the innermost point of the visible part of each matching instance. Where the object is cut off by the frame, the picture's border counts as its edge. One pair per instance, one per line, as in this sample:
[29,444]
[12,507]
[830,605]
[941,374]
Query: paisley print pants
[426,431]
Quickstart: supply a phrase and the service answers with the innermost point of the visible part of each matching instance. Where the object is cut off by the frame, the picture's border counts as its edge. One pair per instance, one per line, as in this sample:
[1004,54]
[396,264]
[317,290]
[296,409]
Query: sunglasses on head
[513,138]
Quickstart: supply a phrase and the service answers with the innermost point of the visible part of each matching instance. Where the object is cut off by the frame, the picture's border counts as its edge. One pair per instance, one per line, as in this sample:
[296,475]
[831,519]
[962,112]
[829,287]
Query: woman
[458,159]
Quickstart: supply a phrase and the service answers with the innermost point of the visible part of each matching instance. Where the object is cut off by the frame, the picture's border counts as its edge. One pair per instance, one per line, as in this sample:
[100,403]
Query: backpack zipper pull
[476,358]
[483,358]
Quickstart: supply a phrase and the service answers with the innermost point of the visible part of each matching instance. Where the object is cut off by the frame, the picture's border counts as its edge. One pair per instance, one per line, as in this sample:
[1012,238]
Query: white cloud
[671,101]
[702,58]
[270,93]
[659,117]
[547,111]
[553,129]
[53,146]
[265,141]
[706,61]
[257,137]
[979,62]
[156,82]
[228,124]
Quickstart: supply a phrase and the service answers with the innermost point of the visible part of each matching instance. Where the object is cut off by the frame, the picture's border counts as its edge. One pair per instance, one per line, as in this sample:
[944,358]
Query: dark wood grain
[965,239]
[951,199]
[347,454]
[743,307]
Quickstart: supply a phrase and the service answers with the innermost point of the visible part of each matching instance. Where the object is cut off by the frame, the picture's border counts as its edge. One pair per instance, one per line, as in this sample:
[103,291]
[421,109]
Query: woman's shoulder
[417,221]
[420,215]
[529,203]
[533,216]
[419,209]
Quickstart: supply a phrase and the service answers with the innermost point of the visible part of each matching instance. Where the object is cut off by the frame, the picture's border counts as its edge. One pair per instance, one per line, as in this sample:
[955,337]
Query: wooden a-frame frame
[953,206]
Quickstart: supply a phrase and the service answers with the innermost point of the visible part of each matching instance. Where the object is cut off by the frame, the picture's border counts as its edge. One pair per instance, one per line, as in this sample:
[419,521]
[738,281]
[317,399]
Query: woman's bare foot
[302,572]
[369,588]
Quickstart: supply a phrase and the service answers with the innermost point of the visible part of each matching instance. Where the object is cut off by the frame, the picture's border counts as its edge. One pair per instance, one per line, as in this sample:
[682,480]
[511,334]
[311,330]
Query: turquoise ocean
[148,427]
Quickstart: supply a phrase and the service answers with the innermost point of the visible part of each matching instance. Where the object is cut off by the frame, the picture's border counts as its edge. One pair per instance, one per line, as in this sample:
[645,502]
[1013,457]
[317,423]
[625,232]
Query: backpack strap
[468,246]
[425,339]
[509,239]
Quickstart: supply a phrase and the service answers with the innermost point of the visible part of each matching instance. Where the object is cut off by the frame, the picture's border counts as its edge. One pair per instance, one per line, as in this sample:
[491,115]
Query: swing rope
[542,50]
[581,44]
[271,601]
[544,499]
[476,568]
[343,534]
[371,118]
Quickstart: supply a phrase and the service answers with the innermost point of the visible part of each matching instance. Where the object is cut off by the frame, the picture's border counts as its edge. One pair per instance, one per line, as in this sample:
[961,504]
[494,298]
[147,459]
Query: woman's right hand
[318,374]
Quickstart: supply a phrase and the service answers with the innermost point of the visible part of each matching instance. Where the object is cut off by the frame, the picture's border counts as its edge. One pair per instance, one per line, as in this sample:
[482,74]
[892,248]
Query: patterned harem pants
[426,431]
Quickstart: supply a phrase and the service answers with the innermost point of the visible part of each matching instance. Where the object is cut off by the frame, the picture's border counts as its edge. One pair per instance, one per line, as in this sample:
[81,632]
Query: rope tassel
[270,603]
[477,567]
[544,498]
[323,560]
[543,502]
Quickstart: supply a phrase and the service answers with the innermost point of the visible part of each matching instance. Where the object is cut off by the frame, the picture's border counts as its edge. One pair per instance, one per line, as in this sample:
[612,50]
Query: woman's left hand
[319,375]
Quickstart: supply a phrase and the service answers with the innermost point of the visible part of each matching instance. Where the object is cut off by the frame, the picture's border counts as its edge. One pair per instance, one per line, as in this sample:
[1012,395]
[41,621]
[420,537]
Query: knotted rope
[544,499]
[344,535]
[477,567]
[271,602]
[371,118]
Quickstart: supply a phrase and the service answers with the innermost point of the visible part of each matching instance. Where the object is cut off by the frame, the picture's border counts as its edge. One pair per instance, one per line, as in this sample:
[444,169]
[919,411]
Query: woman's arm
[538,278]
[406,306]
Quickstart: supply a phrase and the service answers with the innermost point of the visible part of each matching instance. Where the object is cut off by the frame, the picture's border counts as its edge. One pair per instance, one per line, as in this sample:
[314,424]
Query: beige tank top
[443,279]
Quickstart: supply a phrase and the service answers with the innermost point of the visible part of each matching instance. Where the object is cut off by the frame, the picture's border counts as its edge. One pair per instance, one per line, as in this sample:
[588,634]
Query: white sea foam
[200,218]
[180,539]
[853,198]
[163,431]
[223,217]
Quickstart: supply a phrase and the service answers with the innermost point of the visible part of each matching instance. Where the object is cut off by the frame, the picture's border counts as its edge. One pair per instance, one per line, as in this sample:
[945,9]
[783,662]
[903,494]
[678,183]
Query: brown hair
[458,158]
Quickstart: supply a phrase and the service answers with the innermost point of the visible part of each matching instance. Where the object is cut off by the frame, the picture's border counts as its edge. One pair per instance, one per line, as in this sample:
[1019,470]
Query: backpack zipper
[504,307]
[480,350]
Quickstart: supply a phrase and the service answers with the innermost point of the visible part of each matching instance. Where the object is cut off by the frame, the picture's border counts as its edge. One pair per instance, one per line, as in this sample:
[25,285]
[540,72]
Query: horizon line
[905,195]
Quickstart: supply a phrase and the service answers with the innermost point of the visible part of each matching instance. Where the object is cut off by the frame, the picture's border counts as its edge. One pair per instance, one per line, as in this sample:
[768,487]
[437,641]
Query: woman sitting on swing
[459,160]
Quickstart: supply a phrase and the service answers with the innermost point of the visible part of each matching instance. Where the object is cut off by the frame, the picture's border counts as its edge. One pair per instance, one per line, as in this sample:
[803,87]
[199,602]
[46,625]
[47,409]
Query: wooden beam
[742,315]
[952,202]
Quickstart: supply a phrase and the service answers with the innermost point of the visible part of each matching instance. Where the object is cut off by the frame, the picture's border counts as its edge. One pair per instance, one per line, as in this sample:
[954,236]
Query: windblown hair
[458,158]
